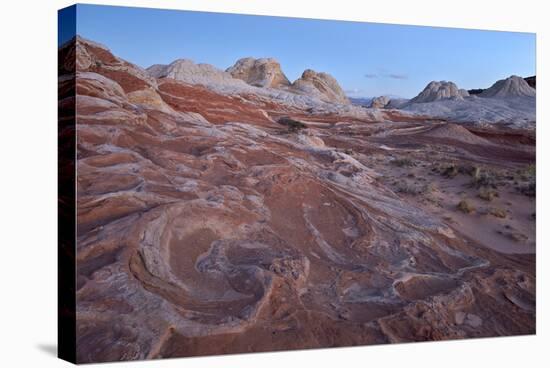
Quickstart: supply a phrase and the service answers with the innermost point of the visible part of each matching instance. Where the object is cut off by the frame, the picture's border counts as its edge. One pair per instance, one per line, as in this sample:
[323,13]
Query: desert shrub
[525,181]
[450,171]
[484,179]
[407,187]
[468,170]
[528,173]
[403,162]
[528,189]
[293,125]
[430,187]
[487,194]
[465,206]
[498,212]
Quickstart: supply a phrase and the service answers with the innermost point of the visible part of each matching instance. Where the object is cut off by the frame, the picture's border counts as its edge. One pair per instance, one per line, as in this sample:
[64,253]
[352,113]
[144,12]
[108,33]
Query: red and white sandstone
[207,227]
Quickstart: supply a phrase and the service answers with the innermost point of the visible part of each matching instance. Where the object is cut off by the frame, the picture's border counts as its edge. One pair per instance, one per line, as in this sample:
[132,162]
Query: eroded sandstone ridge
[213,223]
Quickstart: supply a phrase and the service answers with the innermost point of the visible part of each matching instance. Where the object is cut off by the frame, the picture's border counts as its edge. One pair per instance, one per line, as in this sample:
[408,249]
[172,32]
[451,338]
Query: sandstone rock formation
[264,72]
[186,70]
[510,101]
[264,80]
[510,87]
[321,85]
[436,91]
[379,102]
[205,227]
[515,112]
[92,56]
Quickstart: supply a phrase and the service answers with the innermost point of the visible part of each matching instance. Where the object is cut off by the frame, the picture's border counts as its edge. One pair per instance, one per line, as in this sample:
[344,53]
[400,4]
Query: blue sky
[368,59]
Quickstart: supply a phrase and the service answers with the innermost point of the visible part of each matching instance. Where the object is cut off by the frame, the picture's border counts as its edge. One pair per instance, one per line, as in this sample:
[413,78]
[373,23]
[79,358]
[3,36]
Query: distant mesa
[513,86]
[475,91]
[320,85]
[532,81]
[436,91]
[361,101]
[264,72]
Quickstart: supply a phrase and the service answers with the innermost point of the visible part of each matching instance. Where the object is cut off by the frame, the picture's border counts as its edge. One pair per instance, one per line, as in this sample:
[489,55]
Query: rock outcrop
[380,102]
[510,87]
[91,56]
[264,72]
[321,85]
[260,77]
[436,91]
[187,71]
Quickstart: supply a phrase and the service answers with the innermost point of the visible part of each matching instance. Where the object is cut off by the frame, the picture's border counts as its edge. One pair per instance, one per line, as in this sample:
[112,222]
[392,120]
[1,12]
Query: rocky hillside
[510,87]
[213,222]
[531,81]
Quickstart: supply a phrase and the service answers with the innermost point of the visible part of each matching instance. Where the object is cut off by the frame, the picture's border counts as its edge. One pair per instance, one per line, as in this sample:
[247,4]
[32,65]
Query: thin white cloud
[397,76]
[386,75]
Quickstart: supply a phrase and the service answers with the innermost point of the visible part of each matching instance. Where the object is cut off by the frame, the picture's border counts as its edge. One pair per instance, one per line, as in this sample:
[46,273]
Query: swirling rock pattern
[204,227]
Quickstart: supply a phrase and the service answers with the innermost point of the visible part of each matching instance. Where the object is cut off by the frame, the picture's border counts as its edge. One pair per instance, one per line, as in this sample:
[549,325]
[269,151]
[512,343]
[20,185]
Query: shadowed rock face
[532,81]
[265,72]
[204,227]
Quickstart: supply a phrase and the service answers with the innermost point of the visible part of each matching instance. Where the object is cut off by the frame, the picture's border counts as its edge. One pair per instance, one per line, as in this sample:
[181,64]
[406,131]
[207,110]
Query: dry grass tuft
[403,162]
[465,206]
[498,212]
[487,194]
